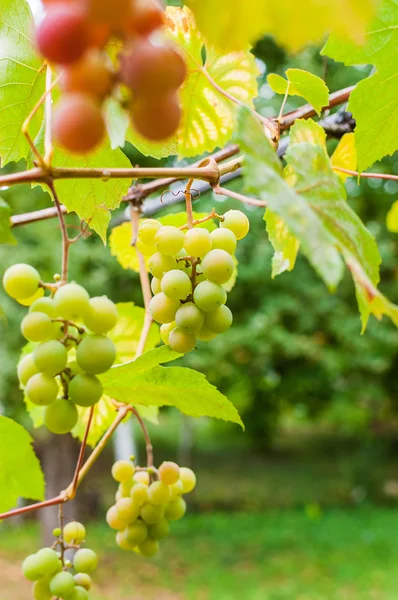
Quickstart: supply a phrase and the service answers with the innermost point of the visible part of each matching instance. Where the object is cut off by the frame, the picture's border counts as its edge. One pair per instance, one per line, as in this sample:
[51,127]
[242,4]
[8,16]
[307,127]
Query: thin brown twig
[31,507]
[48,144]
[188,203]
[212,215]
[82,450]
[65,239]
[245,199]
[366,175]
[148,443]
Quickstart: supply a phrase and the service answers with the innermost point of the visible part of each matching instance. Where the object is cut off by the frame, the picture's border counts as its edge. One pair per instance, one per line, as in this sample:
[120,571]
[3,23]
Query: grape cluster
[55,576]
[146,501]
[189,271]
[72,348]
[73,35]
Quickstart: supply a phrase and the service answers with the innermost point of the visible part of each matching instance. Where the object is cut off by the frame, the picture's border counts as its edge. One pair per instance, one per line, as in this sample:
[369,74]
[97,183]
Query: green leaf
[6,236]
[286,246]
[345,155]
[392,218]
[117,123]
[20,471]
[127,332]
[144,381]
[22,79]
[301,83]
[374,100]
[104,415]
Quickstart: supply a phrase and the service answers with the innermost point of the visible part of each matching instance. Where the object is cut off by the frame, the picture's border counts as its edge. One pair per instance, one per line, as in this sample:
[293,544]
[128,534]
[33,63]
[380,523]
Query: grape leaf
[392,218]
[22,80]
[374,100]
[6,236]
[145,381]
[126,333]
[285,245]
[117,123]
[20,471]
[301,83]
[293,24]
[345,155]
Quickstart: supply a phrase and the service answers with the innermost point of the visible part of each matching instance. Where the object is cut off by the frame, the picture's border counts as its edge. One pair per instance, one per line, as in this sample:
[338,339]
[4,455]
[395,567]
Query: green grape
[57,532]
[197,242]
[176,489]
[47,561]
[136,533]
[149,548]
[141,477]
[209,295]
[237,222]
[139,494]
[218,320]
[31,568]
[205,335]
[36,327]
[176,284]
[147,231]
[122,470]
[165,331]
[85,561]
[122,541]
[159,530]
[218,266]
[127,510]
[42,389]
[71,301]
[62,584]
[26,368]
[118,495]
[159,493]
[101,315]
[155,285]
[96,354]
[85,390]
[125,488]
[151,513]
[169,240]
[188,479]
[144,248]
[181,341]
[169,472]
[45,305]
[189,318]
[163,309]
[113,519]
[41,590]
[159,264]
[61,416]
[74,533]
[50,357]
[21,281]
[83,580]
[79,593]
[175,509]
[224,239]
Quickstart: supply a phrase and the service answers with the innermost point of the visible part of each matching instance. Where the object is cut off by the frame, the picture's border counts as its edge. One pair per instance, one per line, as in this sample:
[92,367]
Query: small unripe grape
[155,285]
[149,548]
[165,331]
[101,315]
[144,248]
[96,354]
[122,541]
[41,389]
[41,590]
[79,593]
[189,318]
[159,530]
[152,513]
[26,368]
[169,472]
[50,357]
[78,123]
[127,510]
[205,335]
[160,263]
[176,489]
[139,494]
[62,584]
[31,568]
[162,308]
[61,416]
[122,471]
[136,533]
[147,230]
[85,390]
[188,479]
[90,76]
[158,493]
[219,320]
[85,561]
[181,341]
[71,301]
[176,284]
[218,266]
[175,509]
[74,533]
[83,580]
[224,239]
[158,118]
[197,242]
[141,477]
[209,295]
[169,240]
[21,281]
[47,561]
[44,305]
[36,327]
[146,16]
[63,36]
[237,222]
[57,532]
[114,520]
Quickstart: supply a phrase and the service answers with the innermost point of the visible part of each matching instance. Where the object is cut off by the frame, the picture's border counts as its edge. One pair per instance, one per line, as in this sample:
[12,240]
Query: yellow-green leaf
[345,155]
[126,333]
[301,83]
[392,218]
[285,245]
[6,236]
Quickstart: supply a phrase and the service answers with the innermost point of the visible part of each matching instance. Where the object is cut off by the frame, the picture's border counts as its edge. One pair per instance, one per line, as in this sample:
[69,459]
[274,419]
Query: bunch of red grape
[74,35]
[72,348]
[54,575]
[146,501]
[189,271]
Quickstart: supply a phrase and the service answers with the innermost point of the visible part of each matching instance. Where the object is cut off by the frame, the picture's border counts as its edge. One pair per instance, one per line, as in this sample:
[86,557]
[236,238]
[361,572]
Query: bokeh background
[303,504]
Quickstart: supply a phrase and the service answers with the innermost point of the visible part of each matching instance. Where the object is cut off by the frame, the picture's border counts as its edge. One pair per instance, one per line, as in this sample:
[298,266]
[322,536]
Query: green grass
[279,555]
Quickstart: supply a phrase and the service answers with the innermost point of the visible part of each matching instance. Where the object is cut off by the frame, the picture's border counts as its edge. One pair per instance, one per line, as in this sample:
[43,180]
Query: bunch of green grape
[146,501]
[190,272]
[55,576]
[71,346]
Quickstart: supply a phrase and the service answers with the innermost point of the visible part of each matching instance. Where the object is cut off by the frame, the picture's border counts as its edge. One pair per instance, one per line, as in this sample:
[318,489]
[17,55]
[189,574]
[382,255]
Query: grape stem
[148,443]
[188,203]
[245,199]
[366,175]
[212,215]
[71,324]
[82,451]
[65,238]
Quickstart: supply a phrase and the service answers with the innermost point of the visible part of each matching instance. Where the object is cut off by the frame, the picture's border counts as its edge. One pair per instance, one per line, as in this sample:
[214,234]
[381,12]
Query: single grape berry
[219,320]
[41,590]
[205,335]
[224,239]
[85,561]
[144,248]
[159,530]
[169,472]
[83,580]
[71,301]
[36,326]
[188,479]
[181,341]
[159,493]
[47,561]
[62,584]
[152,513]
[50,357]
[218,266]
[145,18]
[122,471]
[147,230]
[126,509]
[41,389]
[79,593]
[156,285]
[74,533]
[63,35]
[113,519]
[21,281]
[78,123]
[149,548]
[141,477]
[175,509]
[176,284]
[95,354]
[26,368]
[209,295]
[90,75]
[85,390]
[197,242]
[158,118]
[159,264]
[45,305]
[165,331]
[139,494]
[31,568]
[237,222]
[101,315]
[61,416]
[136,533]
[162,308]
[169,240]
[189,318]
[176,489]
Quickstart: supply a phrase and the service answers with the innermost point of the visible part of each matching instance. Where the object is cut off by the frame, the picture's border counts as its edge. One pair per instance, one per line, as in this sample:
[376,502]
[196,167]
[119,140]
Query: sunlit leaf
[345,155]
[127,332]
[392,218]
[301,83]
